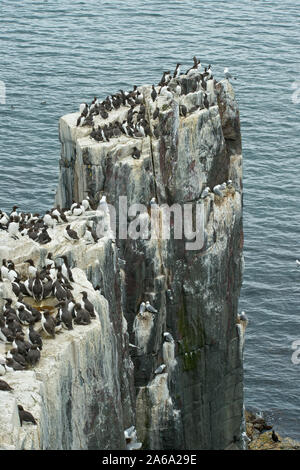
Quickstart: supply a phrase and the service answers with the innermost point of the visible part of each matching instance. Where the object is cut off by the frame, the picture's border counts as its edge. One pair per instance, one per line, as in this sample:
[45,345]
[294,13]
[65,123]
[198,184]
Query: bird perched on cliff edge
[275,437]
[227,74]
[25,416]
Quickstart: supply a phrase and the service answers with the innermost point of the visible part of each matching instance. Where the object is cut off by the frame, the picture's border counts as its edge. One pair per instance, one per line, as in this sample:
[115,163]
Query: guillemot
[25,416]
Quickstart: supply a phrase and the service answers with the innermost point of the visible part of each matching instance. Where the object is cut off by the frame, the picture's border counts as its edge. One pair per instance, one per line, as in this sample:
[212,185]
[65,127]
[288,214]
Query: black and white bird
[150,308]
[65,316]
[25,416]
[48,324]
[243,317]
[65,268]
[37,288]
[82,315]
[5,387]
[217,190]
[87,304]
[32,270]
[168,337]
[33,355]
[34,337]
[70,234]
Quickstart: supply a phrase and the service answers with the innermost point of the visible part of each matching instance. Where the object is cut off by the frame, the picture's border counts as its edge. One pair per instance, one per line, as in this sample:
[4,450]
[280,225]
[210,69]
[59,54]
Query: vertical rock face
[197,402]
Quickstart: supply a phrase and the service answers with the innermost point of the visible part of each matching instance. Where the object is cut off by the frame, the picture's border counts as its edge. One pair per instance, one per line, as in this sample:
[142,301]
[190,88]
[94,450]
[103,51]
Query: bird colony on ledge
[22,322]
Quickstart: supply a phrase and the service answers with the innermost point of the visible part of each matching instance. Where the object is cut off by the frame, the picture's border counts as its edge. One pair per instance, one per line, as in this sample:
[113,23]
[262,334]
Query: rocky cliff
[81,392]
[198,403]
[91,384]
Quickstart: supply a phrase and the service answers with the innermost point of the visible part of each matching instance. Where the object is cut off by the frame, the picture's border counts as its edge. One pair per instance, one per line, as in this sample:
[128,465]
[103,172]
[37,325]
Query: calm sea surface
[54,55]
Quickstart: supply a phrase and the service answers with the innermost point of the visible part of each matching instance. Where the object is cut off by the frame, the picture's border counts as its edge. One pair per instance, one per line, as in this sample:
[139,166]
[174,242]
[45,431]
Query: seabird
[17,356]
[150,308]
[20,344]
[25,416]
[14,212]
[160,369]
[80,120]
[50,220]
[83,108]
[78,210]
[243,316]
[32,269]
[90,235]
[65,316]
[44,237]
[49,261]
[65,268]
[37,288]
[33,355]
[168,337]
[103,204]
[6,335]
[206,191]
[4,270]
[205,101]
[156,113]
[142,309]
[82,315]
[70,234]
[165,91]
[35,337]
[177,71]
[153,93]
[24,315]
[88,305]
[11,364]
[227,74]
[48,324]
[217,190]
[86,203]
[48,287]
[136,153]
[4,387]
[275,437]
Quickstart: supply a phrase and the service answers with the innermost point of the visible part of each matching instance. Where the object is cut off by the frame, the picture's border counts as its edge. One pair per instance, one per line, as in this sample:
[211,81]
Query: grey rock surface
[201,405]
[197,401]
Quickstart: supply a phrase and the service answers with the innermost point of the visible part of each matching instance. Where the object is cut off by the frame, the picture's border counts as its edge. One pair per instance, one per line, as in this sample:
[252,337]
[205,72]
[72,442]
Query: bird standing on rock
[33,355]
[275,437]
[48,324]
[150,308]
[25,416]
[153,93]
[142,309]
[4,386]
[70,234]
[88,305]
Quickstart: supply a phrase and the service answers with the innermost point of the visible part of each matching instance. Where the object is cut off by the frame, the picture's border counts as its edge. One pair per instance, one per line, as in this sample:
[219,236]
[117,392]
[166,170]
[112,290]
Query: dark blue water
[66,52]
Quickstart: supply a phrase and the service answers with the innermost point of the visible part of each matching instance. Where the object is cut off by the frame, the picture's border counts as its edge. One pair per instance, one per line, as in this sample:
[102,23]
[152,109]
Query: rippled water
[54,55]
